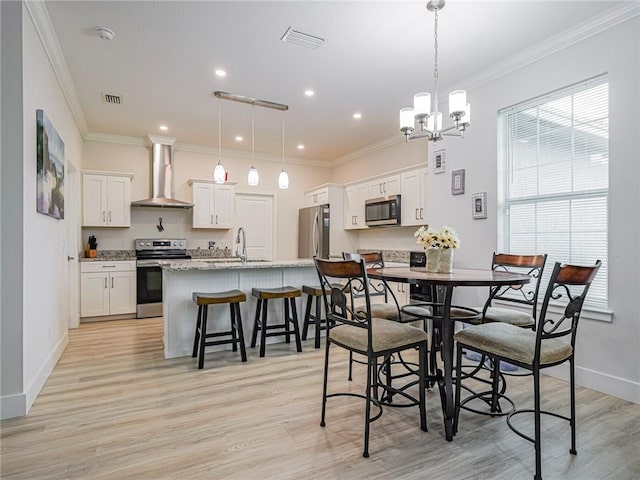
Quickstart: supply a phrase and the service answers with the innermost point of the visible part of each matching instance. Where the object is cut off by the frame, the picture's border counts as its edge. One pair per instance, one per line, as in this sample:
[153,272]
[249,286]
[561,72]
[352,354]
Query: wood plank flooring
[114,408]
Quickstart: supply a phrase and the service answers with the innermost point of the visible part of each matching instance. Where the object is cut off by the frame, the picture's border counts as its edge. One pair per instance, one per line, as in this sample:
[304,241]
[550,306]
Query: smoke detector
[105,33]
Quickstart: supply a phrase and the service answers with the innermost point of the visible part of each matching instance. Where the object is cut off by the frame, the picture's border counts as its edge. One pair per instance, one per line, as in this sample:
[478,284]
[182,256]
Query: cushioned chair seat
[515,343]
[512,317]
[386,335]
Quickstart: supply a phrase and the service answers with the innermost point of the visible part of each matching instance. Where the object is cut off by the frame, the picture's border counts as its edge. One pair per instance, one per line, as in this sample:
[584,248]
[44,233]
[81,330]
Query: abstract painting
[50,156]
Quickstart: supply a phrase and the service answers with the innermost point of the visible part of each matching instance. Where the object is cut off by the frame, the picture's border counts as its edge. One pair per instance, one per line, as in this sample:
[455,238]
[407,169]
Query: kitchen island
[180,278]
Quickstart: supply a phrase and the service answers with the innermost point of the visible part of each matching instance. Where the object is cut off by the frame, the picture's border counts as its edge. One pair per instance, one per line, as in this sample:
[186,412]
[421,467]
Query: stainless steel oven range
[149,253]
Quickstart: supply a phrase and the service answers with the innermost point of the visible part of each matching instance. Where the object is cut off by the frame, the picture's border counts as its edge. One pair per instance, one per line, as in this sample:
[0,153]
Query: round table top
[458,277]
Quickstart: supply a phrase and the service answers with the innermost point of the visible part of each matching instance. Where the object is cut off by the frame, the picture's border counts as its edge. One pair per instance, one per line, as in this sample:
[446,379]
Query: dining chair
[552,343]
[371,337]
[523,296]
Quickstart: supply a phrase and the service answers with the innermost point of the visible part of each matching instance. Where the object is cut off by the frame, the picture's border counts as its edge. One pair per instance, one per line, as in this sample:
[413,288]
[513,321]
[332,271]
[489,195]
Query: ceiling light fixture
[221,73]
[253,178]
[300,147]
[357,116]
[164,128]
[239,138]
[430,121]
[283,178]
[219,173]
[309,93]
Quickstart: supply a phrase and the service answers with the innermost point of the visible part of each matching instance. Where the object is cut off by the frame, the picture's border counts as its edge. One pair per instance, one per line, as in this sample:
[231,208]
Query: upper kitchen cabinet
[213,204]
[384,186]
[414,186]
[106,199]
[354,198]
[317,196]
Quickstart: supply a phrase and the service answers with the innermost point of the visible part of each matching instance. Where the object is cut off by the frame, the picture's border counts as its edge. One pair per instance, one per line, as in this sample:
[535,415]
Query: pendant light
[219,173]
[253,178]
[283,179]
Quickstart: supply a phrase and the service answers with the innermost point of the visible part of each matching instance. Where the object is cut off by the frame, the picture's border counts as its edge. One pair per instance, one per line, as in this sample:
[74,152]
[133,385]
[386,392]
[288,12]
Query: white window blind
[553,180]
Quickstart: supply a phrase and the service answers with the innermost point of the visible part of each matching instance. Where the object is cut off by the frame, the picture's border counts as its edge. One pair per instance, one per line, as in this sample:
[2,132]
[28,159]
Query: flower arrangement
[444,238]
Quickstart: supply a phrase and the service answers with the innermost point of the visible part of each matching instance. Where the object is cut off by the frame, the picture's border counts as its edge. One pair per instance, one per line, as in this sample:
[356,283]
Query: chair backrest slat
[568,287]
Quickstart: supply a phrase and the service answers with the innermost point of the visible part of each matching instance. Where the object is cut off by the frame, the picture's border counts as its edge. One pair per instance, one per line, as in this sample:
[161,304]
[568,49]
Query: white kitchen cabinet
[384,186]
[400,291]
[318,196]
[414,186]
[106,200]
[213,204]
[107,288]
[354,198]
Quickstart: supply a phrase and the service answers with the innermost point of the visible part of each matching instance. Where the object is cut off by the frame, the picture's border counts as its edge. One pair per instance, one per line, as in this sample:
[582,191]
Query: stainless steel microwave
[382,211]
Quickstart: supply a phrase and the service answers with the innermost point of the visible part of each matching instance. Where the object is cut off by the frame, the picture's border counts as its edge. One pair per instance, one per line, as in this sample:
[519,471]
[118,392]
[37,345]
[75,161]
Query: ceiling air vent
[300,38]
[115,99]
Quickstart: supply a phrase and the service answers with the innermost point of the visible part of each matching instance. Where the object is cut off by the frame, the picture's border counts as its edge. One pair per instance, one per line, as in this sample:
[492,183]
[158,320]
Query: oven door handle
[148,263]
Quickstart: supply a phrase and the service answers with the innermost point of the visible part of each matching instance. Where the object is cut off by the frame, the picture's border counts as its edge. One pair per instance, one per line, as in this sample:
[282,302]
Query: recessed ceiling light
[239,138]
[301,147]
[357,115]
[221,73]
[309,93]
[164,128]
[105,33]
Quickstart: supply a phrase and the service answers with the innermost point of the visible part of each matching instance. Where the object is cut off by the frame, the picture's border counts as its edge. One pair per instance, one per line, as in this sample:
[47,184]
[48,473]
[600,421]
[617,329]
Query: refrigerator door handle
[316,234]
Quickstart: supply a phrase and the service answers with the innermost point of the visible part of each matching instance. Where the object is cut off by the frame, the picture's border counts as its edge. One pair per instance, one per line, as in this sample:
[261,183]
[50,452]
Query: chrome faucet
[242,254]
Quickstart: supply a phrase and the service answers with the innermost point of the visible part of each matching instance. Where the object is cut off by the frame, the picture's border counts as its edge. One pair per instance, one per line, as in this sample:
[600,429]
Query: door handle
[211,221]
[109,216]
[421,217]
[216,219]
[417,209]
[111,282]
[104,216]
[105,282]
[69,258]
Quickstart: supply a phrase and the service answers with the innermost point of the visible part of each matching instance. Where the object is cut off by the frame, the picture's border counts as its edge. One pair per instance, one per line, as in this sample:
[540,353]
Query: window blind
[553,181]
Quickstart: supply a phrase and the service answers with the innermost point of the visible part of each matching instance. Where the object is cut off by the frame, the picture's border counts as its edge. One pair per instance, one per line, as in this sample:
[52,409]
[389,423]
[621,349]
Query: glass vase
[439,260]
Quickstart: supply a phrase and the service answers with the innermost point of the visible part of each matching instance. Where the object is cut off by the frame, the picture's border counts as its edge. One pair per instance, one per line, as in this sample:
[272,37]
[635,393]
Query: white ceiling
[376,56]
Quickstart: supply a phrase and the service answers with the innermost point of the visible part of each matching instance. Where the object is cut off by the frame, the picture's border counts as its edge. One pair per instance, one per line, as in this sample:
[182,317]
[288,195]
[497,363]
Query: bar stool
[314,319]
[288,294]
[203,300]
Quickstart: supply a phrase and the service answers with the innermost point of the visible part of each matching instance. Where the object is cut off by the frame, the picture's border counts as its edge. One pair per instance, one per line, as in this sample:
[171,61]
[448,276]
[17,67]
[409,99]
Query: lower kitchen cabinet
[107,288]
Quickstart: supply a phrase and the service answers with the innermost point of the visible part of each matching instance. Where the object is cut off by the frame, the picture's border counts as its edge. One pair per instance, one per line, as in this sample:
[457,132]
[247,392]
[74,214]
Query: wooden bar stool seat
[234,336]
[290,321]
[315,319]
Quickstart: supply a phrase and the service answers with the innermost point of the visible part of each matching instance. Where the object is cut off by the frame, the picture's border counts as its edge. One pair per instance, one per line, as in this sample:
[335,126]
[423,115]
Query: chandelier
[253,178]
[430,120]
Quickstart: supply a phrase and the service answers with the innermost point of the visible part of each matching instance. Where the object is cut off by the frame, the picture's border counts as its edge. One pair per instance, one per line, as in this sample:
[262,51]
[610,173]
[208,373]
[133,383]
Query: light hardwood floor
[114,408]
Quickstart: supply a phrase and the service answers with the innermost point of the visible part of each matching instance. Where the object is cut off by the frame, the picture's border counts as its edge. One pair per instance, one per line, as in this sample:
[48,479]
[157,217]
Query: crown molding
[369,149]
[120,139]
[556,43]
[42,24]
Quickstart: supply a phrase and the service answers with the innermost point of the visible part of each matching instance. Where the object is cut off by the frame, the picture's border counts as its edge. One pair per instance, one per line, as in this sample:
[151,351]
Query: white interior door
[71,217]
[254,213]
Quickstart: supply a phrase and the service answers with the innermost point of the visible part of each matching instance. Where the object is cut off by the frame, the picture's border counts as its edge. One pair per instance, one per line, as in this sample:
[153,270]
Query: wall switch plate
[212,245]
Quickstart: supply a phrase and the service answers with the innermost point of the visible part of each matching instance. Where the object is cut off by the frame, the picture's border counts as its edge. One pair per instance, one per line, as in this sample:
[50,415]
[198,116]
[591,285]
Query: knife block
[90,253]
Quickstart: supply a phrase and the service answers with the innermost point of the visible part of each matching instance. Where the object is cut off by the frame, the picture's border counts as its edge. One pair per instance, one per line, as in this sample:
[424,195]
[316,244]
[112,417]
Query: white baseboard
[601,382]
[38,382]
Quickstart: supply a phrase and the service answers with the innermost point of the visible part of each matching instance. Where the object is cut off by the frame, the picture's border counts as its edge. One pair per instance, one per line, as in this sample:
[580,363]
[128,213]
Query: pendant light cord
[283,141]
[252,133]
[435,61]
[219,133]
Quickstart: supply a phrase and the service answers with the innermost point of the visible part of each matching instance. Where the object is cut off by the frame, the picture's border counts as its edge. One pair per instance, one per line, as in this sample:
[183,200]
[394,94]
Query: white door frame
[72,251]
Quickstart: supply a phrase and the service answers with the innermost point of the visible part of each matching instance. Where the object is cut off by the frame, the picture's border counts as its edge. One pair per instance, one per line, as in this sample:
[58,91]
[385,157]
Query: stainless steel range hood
[161,176]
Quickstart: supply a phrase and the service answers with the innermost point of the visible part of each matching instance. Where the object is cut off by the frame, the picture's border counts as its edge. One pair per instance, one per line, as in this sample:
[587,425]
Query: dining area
[528,338]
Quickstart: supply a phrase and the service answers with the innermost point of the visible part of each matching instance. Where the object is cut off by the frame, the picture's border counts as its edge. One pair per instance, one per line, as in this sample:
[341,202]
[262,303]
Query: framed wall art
[457,182]
[50,168]
[479,205]
[439,163]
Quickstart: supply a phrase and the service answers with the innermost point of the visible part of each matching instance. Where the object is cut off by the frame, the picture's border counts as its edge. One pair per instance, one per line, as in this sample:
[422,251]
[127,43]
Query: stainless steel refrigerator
[313,232]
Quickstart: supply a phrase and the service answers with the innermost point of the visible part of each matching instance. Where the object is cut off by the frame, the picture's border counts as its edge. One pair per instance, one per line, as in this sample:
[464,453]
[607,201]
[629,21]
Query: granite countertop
[110,256]
[230,264]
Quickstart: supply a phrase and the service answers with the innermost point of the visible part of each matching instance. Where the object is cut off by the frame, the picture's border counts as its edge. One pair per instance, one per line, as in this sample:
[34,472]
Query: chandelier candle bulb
[457,102]
[434,122]
[421,104]
[466,119]
[406,119]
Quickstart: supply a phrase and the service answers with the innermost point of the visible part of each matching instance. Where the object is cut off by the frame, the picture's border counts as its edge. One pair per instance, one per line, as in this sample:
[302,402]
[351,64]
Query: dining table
[447,282]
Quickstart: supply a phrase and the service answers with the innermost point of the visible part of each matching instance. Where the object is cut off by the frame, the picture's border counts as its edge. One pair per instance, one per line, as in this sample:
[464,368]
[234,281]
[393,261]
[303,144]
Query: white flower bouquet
[444,238]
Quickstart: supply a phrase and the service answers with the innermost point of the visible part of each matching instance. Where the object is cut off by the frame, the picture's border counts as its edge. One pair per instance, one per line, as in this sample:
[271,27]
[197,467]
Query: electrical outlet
[212,245]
